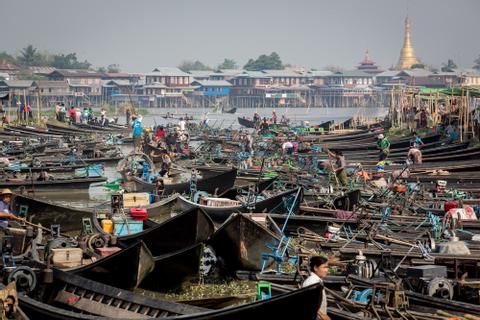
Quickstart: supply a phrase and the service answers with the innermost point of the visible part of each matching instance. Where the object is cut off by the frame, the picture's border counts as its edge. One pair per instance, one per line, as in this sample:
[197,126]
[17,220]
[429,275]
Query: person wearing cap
[383,145]
[5,199]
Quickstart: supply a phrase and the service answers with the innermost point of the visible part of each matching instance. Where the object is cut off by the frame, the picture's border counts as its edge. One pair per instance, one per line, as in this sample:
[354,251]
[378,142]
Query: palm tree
[28,56]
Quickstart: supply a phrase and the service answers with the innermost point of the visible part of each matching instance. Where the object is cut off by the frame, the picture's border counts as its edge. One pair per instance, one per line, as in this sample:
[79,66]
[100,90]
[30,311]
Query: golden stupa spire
[407,54]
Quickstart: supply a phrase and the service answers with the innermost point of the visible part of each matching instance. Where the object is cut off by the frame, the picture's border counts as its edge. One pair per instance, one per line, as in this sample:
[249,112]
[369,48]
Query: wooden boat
[67,296]
[124,269]
[99,128]
[394,144]
[326,125]
[187,229]
[240,241]
[74,297]
[174,268]
[221,213]
[230,111]
[177,233]
[425,304]
[59,183]
[211,181]
[246,122]
[48,213]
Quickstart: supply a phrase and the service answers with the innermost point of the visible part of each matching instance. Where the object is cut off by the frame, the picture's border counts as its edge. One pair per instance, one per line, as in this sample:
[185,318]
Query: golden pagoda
[407,54]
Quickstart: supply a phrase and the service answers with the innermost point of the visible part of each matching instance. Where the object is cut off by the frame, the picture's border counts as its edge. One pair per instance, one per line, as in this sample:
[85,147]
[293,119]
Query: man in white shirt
[318,270]
[182,124]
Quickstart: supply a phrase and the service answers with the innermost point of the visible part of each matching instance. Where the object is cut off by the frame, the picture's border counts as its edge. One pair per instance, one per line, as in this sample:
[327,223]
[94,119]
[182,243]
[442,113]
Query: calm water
[296,115]
[98,195]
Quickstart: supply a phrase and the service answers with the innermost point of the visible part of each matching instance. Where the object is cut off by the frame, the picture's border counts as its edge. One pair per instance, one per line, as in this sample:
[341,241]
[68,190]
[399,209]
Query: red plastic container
[139,214]
[450,205]
[105,252]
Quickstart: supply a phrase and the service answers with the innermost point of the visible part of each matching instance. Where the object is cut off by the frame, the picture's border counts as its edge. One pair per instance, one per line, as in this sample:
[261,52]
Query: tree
[4,56]
[101,69]
[228,64]
[476,66]
[113,68]
[69,61]
[189,65]
[264,62]
[418,66]
[449,66]
[29,56]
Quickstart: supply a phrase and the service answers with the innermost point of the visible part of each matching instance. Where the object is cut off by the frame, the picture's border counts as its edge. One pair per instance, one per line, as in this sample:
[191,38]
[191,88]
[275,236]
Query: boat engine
[24,277]
[208,262]
[430,280]
[363,267]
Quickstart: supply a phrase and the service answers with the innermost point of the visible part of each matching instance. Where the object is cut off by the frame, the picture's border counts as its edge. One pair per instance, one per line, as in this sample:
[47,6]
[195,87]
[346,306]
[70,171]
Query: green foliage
[113,68]
[418,66]
[29,56]
[228,64]
[101,69]
[69,61]
[476,66]
[189,65]
[449,66]
[4,56]
[264,62]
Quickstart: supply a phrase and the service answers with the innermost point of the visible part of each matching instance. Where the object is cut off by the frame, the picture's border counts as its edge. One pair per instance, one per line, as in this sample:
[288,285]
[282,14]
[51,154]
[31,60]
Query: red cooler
[450,205]
[139,214]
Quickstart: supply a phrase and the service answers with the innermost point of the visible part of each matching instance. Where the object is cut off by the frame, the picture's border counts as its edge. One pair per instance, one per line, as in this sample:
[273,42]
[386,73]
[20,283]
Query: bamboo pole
[38,106]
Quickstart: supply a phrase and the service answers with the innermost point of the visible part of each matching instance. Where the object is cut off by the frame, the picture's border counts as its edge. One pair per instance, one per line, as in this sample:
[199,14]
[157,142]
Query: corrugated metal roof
[282,73]
[353,73]
[212,83]
[77,73]
[319,73]
[388,73]
[16,83]
[169,72]
[416,73]
[228,72]
[120,83]
[51,84]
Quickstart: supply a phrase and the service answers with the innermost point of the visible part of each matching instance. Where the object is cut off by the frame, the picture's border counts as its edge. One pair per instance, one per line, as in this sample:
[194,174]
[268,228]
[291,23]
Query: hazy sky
[143,34]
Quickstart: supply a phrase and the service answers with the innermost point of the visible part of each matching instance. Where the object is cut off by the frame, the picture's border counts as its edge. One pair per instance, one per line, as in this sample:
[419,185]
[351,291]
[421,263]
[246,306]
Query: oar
[36,225]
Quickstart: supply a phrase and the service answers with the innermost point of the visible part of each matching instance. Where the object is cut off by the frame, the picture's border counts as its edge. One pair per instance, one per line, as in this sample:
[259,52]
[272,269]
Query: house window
[212,89]
[50,90]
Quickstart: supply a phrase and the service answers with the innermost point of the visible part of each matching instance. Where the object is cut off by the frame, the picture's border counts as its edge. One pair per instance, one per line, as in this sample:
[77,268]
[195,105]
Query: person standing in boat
[274,117]
[5,213]
[72,114]
[128,115]
[318,271]
[166,164]
[383,145]
[340,168]
[103,117]
[264,126]
[159,135]
[136,126]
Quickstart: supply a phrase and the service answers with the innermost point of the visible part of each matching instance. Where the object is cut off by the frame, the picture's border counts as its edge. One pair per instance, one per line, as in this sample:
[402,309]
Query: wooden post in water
[38,106]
